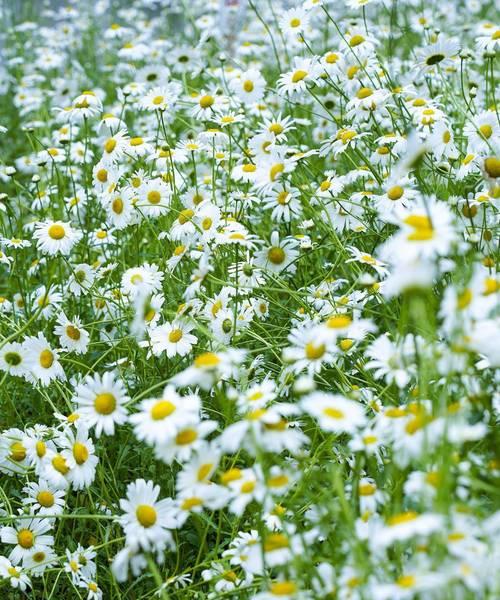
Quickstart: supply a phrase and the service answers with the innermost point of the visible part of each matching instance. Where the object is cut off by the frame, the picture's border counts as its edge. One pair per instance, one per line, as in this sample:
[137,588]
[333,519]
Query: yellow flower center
[17,452]
[206,101]
[158,100]
[25,538]
[402,518]
[364,92]
[395,193]
[189,503]
[206,223]
[80,453]
[109,145]
[283,588]
[299,75]
[276,255]
[185,216]
[56,232]
[41,449]
[102,175]
[486,131]
[73,333]
[60,464]
[333,413]
[204,471]
[313,351]
[46,359]
[406,581]
[356,40]
[162,409]
[175,335]
[338,321]
[45,499]
[154,197]
[146,515]
[117,206]
[104,403]
[183,438]
[248,86]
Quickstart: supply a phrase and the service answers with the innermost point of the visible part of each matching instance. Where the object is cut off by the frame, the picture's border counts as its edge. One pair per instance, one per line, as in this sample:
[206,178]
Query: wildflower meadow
[249,300]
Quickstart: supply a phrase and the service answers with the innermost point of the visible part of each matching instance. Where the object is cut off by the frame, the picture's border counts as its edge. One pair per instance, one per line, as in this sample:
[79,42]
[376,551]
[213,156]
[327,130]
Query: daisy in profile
[42,360]
[72,336]
[279,255]
[173,338]
[56,237]
[100,400]
[146,520]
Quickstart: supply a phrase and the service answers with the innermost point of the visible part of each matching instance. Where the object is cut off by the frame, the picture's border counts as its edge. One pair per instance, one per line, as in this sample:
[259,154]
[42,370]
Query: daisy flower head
[42,360]
[173,338]
[279,256]
[100,402]
[294,82]
[56,237]
[160,418]
[146,520]
[333,412]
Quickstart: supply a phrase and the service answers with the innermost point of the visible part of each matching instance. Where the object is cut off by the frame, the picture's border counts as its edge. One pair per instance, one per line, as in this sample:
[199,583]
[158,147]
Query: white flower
[100,400]
[146,520]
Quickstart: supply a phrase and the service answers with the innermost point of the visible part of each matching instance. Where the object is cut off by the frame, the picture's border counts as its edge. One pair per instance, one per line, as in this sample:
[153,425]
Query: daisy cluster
[249,325]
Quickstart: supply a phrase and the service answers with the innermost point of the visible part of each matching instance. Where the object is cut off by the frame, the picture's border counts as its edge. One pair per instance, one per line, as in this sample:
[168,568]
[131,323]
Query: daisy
[81,280]
[55,237]
[441,54]
[100,400]
[294,82]
[159,419]
[158,98]
[17,578]
[482,131]
[27,536]
[279,256]
[146,520]
[120,209]
[13,359]
[80,563]
[114,147]
[249,86]
[72,336]
[334,412]
[173,338]
[42,361]
[78,451]
[42,498]
[145,279]
[189,439]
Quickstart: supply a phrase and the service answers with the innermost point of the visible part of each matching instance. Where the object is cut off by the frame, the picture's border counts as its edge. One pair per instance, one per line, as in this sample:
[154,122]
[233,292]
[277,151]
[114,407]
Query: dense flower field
[249,332]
